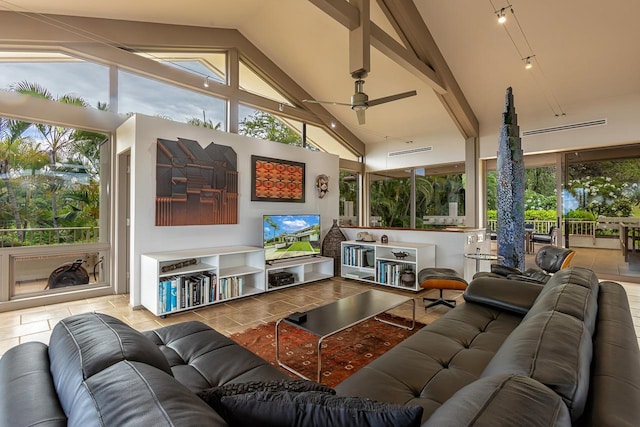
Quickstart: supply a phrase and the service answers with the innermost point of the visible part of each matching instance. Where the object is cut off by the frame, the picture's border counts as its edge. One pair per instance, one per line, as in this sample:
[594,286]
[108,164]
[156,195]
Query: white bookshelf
[239,271]
[382,263]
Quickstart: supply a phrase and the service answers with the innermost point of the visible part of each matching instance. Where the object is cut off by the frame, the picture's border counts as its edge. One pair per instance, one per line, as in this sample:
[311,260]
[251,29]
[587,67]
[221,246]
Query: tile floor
[35,324]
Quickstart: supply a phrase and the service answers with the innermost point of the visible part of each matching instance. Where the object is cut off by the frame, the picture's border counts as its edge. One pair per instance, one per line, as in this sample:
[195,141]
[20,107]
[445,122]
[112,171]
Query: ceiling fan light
[359,107]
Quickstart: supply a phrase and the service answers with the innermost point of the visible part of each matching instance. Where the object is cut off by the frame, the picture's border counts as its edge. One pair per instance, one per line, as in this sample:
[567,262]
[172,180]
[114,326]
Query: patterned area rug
[343,354]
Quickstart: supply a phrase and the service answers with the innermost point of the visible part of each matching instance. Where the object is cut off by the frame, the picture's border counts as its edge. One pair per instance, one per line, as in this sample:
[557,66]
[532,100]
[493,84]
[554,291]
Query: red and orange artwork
[277,180]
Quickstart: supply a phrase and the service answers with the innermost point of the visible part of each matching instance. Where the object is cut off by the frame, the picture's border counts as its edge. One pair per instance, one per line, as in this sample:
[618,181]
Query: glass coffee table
[339,315]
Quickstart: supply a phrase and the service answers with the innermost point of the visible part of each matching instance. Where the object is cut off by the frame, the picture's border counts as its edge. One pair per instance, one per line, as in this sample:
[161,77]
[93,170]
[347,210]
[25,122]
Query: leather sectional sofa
[515,353]
[518,353]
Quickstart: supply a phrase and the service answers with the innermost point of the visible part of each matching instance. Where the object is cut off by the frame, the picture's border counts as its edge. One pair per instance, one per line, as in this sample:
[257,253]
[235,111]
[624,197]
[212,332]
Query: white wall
[623,127]
[140,134]
[448,147]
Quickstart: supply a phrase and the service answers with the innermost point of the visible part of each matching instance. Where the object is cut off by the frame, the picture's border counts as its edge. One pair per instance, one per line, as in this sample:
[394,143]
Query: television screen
[289,236]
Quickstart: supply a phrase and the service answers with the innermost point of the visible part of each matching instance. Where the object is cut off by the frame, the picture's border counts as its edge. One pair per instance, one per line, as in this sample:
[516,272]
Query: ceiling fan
[360,101]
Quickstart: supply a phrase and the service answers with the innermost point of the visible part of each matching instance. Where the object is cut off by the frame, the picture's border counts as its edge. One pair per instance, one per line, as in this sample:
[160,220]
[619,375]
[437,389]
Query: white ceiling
[585,51]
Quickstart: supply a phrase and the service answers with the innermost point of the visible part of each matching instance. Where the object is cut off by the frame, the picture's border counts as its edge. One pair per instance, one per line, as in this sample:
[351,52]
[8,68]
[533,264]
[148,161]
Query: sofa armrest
[506,294]
[502,400]
[26,386]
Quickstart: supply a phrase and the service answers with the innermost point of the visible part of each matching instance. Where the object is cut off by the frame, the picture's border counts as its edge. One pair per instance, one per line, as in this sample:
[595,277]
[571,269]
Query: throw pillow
[315,409]
[213,395]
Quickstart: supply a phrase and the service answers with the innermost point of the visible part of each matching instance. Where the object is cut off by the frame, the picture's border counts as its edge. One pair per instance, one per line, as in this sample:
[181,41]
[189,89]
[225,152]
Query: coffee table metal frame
[329,319]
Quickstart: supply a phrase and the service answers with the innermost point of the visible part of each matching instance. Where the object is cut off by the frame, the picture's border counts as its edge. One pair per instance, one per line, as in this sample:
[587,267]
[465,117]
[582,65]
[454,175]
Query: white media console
[184,280]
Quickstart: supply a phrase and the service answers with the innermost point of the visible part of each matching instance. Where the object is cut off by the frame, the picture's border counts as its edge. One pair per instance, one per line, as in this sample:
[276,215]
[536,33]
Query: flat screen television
[290,236]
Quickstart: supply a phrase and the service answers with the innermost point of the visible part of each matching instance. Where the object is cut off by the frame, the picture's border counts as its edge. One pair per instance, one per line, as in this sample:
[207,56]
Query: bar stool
[441,279]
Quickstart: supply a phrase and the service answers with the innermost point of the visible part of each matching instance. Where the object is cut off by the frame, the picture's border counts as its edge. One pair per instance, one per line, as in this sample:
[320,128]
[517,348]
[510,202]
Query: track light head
[527,62]
[501,17]
[206,81]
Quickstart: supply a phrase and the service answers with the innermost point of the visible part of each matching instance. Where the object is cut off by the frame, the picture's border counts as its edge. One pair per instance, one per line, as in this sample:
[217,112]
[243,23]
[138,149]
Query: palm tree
[273,225]
[204,122]
[58,139]
[11,134]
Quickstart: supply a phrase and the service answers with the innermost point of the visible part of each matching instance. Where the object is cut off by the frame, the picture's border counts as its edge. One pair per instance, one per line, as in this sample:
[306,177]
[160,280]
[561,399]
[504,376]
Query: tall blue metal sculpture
[511,180]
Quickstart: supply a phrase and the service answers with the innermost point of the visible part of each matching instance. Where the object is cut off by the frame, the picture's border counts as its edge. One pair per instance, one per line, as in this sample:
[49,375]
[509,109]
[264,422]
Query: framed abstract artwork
[195,185]
[275,180]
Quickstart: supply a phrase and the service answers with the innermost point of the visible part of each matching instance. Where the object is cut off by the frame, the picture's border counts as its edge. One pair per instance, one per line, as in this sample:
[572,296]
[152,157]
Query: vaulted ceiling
[584,51]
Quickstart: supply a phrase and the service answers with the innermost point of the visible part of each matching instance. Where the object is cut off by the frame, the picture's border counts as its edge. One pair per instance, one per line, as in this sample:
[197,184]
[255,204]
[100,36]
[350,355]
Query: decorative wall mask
[322,185]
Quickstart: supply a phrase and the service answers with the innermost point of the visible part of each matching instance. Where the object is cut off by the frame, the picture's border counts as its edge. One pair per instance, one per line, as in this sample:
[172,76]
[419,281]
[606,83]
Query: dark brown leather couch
[518,353]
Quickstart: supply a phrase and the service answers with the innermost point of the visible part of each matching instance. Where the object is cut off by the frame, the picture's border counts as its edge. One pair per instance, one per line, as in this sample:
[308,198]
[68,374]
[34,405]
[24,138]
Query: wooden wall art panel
[277,180]
[195,185]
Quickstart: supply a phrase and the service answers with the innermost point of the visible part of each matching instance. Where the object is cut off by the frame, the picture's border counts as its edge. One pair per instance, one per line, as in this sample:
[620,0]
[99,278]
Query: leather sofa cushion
[502,400]
[201,358]
[83,345]
[553,348]
[573,291]
[28,396]
[136,394]
[502,293]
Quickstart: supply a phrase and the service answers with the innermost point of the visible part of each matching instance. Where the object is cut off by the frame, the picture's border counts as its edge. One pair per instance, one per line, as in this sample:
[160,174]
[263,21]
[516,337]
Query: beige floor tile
[40,336]
[58,312]
[26,329]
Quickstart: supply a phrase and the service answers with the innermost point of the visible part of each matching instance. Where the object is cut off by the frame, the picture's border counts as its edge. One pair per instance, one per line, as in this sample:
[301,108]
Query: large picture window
[432,196]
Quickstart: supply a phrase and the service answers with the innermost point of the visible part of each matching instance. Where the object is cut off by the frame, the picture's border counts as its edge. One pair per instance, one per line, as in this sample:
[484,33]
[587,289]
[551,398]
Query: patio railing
[576,227]
[48,236]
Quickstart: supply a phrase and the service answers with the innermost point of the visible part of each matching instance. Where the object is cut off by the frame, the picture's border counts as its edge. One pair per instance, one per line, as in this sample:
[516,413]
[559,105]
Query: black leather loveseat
[518,354]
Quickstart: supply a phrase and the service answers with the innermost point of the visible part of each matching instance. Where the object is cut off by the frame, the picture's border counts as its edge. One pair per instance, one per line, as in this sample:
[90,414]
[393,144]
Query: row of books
[357,256]
[230,287]
[388,272]
[179,292]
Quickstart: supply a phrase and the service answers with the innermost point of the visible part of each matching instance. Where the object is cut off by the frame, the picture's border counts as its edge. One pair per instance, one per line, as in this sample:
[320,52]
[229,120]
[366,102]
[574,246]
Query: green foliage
[204,122]
[533,200]
[581,214]
[601,195]
[266,126]
[540,215]
[492,190]
[52,175]
[529,215]
[390,201]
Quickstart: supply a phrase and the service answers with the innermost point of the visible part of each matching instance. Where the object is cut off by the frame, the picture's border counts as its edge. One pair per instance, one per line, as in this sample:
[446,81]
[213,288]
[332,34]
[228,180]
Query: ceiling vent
[410,151]
[591,123]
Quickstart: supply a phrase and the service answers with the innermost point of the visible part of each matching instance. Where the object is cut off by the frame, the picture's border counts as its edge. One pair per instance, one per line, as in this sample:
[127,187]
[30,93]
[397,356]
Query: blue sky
[290,223]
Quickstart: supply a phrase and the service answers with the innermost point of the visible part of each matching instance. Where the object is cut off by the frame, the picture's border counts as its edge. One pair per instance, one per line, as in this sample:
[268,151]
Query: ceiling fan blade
[391,98]
[360,114]
[326,102]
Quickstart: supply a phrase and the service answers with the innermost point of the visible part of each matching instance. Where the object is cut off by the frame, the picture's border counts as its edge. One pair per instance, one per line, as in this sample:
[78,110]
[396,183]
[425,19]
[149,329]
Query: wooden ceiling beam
[408,23]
